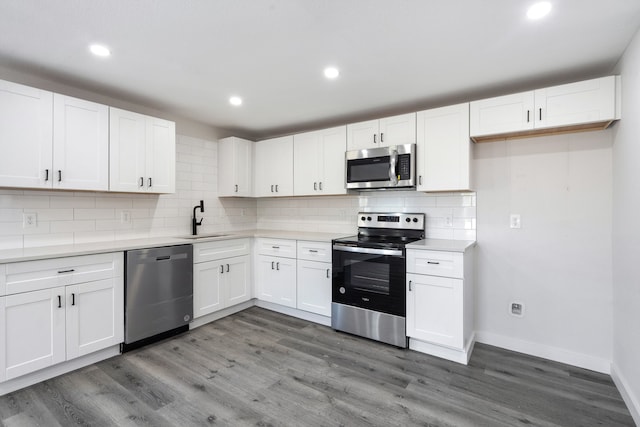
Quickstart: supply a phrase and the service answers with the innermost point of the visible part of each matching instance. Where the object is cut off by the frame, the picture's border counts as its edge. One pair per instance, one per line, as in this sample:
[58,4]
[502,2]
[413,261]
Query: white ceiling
[186,57]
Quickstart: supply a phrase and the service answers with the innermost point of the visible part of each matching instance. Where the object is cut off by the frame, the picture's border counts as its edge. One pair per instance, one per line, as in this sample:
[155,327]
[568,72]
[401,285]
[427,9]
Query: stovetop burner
[386,230]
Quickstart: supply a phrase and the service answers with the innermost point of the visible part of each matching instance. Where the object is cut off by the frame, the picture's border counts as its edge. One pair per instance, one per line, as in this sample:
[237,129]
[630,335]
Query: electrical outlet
[29,220]
[514,221]
[516,309]
[448,221]
[125,217]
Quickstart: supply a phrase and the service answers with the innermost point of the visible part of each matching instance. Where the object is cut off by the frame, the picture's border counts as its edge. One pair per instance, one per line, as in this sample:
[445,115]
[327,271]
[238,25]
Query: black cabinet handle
[227,268]
[46,175]
[313,251]
[66,271]
[272,263]
[409,285]
[374,138]
[59,301]
[276,188]
[150,183]
[528,116]
[59,175]
[73,299]
[221,269]
[275,247]
[141,181]
[433,262]
[315,186]
[236,188]
[540,115]
[327,273]
[272,188]
[419,179]
[278,266]
[320,185]
[381,137]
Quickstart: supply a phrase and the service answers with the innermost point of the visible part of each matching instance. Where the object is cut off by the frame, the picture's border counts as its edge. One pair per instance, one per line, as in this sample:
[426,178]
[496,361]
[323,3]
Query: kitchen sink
[204,236]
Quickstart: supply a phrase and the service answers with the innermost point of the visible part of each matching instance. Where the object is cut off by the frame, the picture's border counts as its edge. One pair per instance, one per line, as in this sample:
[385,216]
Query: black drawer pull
[275,247]
[433,262]
[66,271]
[313,251]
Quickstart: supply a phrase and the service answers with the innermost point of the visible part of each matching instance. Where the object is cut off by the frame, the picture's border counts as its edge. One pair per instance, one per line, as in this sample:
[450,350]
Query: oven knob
[415,219]
[408,219]
[342,290]
[363,218]
[368,218]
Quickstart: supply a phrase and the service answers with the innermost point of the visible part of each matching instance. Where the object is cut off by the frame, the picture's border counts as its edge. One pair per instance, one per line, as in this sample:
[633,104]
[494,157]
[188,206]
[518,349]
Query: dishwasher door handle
[163,258]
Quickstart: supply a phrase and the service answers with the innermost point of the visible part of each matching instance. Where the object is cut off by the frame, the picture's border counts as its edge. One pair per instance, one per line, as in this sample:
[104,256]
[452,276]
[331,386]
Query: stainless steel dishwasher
[158,294]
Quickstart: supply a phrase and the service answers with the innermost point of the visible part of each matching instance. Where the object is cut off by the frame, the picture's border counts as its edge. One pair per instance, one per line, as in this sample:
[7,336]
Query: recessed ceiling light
[331,72]
[539,10]
[99,50]
[235,100]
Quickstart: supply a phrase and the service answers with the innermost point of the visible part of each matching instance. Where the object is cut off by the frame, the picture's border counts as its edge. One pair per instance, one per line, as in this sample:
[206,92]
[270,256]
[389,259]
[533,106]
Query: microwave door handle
[393,160]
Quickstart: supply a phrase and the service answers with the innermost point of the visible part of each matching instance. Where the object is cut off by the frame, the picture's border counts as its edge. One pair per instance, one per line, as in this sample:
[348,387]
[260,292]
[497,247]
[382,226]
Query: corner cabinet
[235,167]
[57,310]
[394,130]
[142,153]
[444,149]
[318,162]
[221,275]
[587,105]
[274,167]
[53,141]
[440,303]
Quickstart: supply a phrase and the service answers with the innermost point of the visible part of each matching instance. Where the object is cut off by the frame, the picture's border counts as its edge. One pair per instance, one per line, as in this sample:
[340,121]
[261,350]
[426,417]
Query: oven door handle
[373,251]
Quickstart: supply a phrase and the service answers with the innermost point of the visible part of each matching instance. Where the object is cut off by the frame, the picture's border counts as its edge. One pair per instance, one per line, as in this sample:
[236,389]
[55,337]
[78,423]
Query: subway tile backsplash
[65,217]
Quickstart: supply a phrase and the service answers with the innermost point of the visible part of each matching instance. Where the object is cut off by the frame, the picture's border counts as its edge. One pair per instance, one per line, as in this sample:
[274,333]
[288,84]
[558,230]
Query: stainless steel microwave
[392,167]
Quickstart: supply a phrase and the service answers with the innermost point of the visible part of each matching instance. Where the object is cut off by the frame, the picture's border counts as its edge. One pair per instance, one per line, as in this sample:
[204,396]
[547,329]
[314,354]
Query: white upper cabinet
[80,144]
[274,167]
[52,140]
[235,165]
[590,104]
[444,149]
[26,132]
[395,130]
[318,163]
[142,153]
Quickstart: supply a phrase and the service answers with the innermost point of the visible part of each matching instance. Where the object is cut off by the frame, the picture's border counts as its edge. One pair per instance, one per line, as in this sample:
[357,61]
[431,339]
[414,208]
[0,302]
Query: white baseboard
[459,356]
[546,352]
[56,370]
[294,312]
[203,320]
[632,401]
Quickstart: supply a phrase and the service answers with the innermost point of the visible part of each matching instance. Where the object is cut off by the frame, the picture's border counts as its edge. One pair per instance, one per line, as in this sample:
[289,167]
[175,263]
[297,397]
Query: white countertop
[45,252]
[442,245]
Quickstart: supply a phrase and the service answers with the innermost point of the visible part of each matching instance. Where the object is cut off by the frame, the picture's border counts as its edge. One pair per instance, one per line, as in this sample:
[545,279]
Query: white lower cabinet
[440,303]
[59,320]
[314,287]
[276,280]
[221,275]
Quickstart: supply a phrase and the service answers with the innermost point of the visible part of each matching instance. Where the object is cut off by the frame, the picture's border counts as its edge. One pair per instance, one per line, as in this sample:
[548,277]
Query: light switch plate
[514,221]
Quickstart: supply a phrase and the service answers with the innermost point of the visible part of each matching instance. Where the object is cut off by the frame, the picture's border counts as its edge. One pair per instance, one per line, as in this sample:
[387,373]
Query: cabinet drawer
[314,251]
[276,247]
[49,273]
[435,263]
[210,251]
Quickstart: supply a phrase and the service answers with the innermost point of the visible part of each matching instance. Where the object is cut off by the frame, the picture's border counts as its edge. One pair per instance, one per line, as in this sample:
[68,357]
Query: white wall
[65,217]
[559,263]
[626,234]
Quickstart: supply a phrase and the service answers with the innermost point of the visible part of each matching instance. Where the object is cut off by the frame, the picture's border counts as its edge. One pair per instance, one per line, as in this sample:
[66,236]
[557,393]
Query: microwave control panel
[404,166]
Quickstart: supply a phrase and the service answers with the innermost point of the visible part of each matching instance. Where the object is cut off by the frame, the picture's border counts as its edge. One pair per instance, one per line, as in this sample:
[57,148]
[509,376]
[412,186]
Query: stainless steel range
[369,270]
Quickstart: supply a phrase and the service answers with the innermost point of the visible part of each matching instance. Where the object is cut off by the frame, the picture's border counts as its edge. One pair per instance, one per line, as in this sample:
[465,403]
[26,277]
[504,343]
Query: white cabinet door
[398,130]
[207,288]
[274,167]
[314,287]
[161,156]
[307,151]
[503,114]
[363,135]
[235,165]
[94,316]
[237,280]
[276,280]
[80,144]
[26,132]
[333,143]
[435,310]
[576,103]
[127,151]
[34,324]
[444,149]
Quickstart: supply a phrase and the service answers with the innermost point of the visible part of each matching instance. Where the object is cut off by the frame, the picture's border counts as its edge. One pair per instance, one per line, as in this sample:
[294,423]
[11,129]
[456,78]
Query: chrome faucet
[194,222]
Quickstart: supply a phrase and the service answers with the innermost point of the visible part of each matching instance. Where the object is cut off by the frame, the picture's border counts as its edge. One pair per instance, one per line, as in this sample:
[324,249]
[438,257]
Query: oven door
[369,278]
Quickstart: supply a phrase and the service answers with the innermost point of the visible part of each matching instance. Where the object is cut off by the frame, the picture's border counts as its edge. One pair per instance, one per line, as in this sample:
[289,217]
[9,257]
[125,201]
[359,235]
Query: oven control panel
[404,221]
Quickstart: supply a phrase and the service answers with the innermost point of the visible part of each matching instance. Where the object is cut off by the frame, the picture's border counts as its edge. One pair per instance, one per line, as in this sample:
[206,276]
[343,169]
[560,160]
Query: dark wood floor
[262,368]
